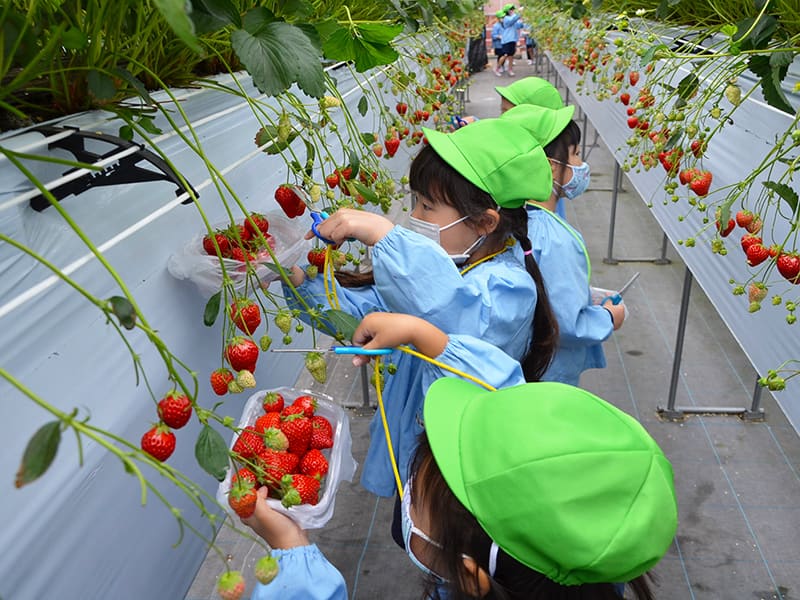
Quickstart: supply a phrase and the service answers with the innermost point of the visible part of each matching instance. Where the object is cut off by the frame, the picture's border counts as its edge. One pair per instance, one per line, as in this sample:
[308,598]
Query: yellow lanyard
[572,232]
[508,243]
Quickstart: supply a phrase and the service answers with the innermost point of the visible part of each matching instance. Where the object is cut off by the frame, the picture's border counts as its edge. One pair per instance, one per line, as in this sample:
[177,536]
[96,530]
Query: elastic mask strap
[493,559]
[464,218]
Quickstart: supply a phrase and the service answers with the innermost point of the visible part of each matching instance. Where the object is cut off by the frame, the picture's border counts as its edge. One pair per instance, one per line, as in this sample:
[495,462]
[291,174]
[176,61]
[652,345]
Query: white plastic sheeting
[733,154]
[80,532]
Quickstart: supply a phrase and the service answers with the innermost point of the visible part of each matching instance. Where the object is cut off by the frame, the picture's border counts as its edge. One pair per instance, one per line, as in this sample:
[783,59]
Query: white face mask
[432,231]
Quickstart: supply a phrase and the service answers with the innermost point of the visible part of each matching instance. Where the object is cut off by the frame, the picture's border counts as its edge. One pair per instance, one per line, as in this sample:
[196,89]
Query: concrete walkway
[737,482]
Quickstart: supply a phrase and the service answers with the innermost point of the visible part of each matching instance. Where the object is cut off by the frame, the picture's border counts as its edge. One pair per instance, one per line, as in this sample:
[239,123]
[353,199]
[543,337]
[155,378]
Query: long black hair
[559,148]
[459,534]
[432,177]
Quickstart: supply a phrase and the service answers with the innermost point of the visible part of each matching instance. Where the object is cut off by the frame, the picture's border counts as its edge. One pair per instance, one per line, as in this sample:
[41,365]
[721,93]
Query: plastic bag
[341,465]
[204,270]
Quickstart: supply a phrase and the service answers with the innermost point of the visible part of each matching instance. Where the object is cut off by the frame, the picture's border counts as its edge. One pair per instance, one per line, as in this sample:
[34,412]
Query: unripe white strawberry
[246,379]
[234,387]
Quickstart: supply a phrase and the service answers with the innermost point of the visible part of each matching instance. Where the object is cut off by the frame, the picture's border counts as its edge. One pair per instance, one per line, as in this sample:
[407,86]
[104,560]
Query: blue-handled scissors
[617,298]
[341,350]
[319,217]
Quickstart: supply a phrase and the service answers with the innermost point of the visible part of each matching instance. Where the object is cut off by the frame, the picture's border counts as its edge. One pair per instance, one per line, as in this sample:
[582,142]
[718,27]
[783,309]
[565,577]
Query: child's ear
[488,222]
[477,580]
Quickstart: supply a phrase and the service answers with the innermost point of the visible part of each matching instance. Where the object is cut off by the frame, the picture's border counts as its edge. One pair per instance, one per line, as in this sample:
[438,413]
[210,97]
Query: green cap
[500,157]
[545,124]
[562,481]
[508,7]
[500,14]
[531,90]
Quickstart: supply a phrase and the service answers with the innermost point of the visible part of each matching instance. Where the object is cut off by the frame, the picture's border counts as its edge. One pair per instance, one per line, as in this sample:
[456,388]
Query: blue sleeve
[303,574]
[477,358]
[494,301]
[510,20]
[563,265]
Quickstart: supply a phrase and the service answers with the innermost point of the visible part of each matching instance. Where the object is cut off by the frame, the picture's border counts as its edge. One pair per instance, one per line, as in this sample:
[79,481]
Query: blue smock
[494,302]
[303,572]
[561,255]
[497,32]
[511,27]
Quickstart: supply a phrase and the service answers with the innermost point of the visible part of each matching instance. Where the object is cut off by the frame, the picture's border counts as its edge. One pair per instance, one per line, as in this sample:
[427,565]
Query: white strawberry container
[193,263]
[341,465]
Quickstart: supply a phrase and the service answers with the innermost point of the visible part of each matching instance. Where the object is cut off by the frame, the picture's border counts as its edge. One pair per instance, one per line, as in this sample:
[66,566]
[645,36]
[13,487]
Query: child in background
[509,39]
[534,492]
[560,251]
[497,34]
[451,266]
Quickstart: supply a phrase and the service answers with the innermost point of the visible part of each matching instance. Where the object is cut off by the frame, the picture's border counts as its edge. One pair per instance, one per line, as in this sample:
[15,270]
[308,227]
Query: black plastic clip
[125,170]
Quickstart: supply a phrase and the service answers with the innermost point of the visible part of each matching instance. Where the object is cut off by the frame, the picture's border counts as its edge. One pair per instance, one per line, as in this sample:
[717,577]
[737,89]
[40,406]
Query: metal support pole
[756,413]
[670,412]
[583,137]
[663,260]
[609,260]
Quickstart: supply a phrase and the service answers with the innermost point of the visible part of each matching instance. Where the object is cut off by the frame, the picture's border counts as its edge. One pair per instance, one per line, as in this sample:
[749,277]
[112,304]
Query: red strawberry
[701,182]
[321,433]
[725,232]
[625,98]
[267,420]
[297,428]
[272,402]
[307,403]
[401,107]
[633,122]
[748,239]
[332,180]
[377,150]
[246,315]
[299,489]
[346,173]
[245,474]
[697,147]
[392,144]
[175,409]
[630,111]
[744,218]
[671,160]
[248,444]
[159,442]
[222,241]
[755,225]
[633,77]
[242,353]
[231,585]
[316,257]
[274,464]
[314,463]
[289,201]
[788,264]
[774,250]
[756,254]
[687,175]
[219,381]
[242,498]
[256,222]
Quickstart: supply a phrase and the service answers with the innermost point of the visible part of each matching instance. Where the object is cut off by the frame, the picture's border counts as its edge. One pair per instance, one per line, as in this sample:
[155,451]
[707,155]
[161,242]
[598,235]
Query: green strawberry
[230,585]
[265,342]
[317,366]
[266,569]
[283,320]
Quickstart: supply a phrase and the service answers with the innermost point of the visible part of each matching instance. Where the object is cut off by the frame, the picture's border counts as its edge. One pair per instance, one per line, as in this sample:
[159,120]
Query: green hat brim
[531,90]
[545,124]
[498,156]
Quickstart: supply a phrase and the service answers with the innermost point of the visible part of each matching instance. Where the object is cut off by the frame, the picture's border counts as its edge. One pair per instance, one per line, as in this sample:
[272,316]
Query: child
[560,251]
[534,492]
[509,39]
[497,33]
[451,266]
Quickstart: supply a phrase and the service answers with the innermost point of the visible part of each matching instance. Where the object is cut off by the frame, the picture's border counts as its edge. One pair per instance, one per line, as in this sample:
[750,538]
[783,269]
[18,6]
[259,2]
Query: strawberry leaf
[123,310]
[344,323]
[367,44]
[101,86]
[688,86]
[363,106]
[368,139]
[212,309]
[786,193]
[368,194]
[211,453]
[39,453]
[211,15]
[278,54]
[771,76]
[176,15]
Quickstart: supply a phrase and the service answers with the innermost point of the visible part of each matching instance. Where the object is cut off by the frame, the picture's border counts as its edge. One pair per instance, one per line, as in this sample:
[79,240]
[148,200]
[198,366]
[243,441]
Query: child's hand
[277,529]
[368,228]
[389,330]
[617,312]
